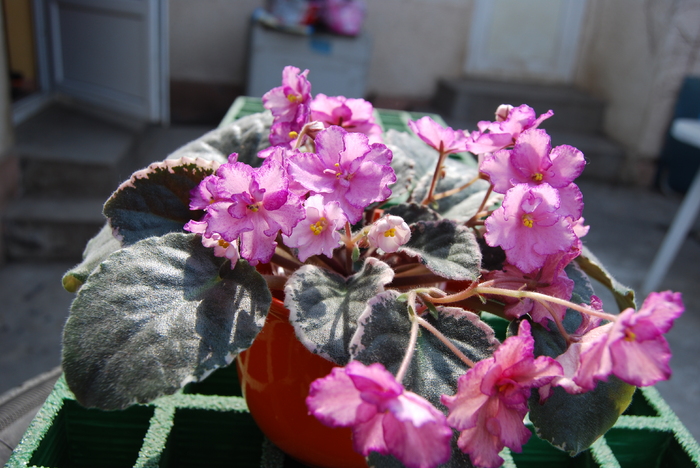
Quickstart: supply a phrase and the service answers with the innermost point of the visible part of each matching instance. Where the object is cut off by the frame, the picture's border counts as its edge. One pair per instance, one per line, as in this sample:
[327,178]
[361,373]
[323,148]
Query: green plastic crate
[208,425]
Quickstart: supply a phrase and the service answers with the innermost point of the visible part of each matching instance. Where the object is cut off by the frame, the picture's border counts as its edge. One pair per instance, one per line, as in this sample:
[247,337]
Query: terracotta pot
[275,375]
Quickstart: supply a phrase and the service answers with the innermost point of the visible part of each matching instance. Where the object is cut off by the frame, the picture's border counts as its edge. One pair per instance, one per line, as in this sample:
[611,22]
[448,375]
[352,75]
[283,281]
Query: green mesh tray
[208,425]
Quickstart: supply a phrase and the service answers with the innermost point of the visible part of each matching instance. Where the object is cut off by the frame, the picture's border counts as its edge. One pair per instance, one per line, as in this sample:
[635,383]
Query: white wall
[208,39]
[415,43]
[635,56]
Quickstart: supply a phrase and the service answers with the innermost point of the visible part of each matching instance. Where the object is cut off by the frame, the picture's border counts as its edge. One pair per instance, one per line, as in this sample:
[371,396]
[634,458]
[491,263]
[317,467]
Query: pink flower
[318,232]
[345,169]
[481,143]
[533,161]
[633,347]
[354,115]
[444,140]
[285,100]
[383,416]
[252,205]
[345,17]
[389,233]
[528,226]
[221,247]
[514,120]
[491,399]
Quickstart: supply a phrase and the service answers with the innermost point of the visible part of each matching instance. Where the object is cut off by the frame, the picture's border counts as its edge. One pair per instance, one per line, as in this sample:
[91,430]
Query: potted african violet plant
[414,306]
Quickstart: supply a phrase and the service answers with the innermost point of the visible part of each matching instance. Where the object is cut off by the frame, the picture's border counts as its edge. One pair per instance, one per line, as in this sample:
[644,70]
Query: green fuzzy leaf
[97,250]
[383,336]
[155,201]
[446,248]
[589,263]
[574,422]
[324,306]
[245,136]
[157,315]
[412,160]
[413,212]
[469,206]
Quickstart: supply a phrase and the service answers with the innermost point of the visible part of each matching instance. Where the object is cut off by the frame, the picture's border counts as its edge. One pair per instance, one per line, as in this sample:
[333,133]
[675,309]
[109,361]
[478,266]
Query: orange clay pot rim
[278,309]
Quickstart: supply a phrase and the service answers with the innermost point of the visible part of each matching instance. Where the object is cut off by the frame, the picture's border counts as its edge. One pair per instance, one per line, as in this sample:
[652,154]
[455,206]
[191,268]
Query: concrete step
[66,152]
[38,228]
[473,100]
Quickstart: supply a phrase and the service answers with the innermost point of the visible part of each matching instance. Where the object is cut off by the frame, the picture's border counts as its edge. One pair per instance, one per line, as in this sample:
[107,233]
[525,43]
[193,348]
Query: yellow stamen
[293,98]
[293,134]
[527,221]
[254,208]
[630,335]
[318,227]
[223,243]
[537,176]
[390,232]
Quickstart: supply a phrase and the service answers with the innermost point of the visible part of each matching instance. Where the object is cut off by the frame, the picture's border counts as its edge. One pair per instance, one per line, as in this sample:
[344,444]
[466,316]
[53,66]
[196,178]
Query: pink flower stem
[540,298]
[411,342]
[349,244]
[558,321]
[425,324]
[456,190]
[479,212]
[436,175]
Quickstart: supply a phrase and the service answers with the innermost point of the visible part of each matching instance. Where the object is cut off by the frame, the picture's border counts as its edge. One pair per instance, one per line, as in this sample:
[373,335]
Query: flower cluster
[327,165]
[307,197]
[392,290]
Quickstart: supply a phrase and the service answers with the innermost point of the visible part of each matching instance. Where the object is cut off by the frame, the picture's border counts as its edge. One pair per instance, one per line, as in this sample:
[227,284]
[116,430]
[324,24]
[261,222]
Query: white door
[112,54]
[534,40]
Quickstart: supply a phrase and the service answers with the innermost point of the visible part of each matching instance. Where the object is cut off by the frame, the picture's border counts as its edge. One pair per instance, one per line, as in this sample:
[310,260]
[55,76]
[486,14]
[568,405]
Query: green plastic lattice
[207,424]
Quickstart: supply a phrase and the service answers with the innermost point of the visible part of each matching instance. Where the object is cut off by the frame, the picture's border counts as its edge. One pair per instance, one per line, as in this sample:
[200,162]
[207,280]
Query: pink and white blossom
[528,226]
[443,139]
[513,121]
[284,101]
[353,115]
[633,347]
[318,232]
[253,206]
[389,233]
[384,417]
[491,399]
[533,161]
[345,169]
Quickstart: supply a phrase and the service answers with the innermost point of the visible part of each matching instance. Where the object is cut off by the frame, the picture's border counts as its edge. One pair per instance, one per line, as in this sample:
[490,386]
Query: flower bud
[389,233]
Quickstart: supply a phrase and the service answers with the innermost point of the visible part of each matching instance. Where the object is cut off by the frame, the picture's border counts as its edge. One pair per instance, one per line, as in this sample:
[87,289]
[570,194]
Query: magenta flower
[513,121]
[345,169]
[389,233]
[318,232]
[221,247]
[354,115]
[633,347]
[345,17]
[253,205]
[383,416]
[528,226]
[482,143]
[491,399]
[444,140]
[533,161]
[285,132]
[284,101]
